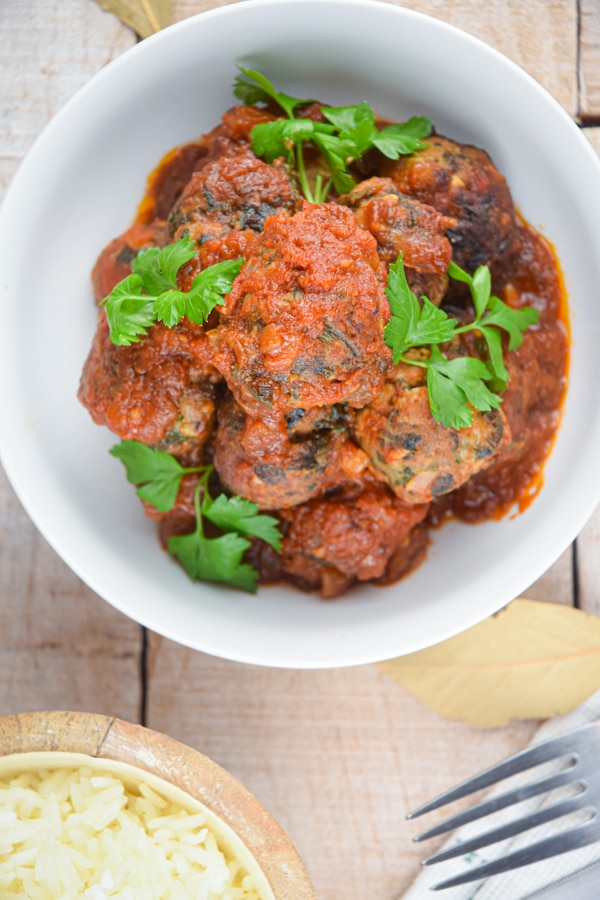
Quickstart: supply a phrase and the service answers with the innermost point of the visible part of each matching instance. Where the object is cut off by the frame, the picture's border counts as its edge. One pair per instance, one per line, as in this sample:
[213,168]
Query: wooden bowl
[242,825]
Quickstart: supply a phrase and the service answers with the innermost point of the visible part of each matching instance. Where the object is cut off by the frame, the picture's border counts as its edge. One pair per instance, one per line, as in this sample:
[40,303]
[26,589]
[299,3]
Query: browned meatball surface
[331,541]
[232,193]
[419,458]
[461,181]
[400,224]
[275,465]
[160,391]
[303,325]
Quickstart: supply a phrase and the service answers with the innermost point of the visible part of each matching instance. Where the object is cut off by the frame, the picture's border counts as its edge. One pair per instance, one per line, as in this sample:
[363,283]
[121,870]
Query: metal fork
[578,757]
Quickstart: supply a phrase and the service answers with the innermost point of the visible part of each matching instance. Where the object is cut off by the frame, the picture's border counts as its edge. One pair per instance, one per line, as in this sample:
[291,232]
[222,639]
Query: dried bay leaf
[146,17]
[531,660]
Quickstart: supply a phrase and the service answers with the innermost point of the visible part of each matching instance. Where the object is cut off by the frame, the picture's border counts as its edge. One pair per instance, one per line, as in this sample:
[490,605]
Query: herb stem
[471,326]
[424,364]
[302,173]
[201,488]
[197,507]
[321,190]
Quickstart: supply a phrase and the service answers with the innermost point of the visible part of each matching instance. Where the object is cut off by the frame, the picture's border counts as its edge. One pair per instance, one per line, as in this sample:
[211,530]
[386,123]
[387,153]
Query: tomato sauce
[289,388]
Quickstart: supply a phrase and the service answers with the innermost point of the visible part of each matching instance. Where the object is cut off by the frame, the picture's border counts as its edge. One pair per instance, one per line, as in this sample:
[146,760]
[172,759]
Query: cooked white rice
[75,833]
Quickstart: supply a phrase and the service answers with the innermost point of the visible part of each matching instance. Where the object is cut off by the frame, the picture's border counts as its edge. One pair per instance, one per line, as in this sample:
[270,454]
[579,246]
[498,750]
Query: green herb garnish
[456,385]
[158,477]
[150,294]
[346,136]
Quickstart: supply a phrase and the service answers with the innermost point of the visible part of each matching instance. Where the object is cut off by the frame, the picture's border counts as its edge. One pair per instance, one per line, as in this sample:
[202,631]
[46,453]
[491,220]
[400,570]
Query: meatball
[419,458]
[303,324]
[233,193]
[401,224]
[159,391]
[166,183]
[233,132]
[273,464]
[333,540]
[461,181]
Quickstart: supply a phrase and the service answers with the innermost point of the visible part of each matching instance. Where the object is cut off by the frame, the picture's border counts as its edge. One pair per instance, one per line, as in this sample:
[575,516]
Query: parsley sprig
[158,475]
[346,135]
[150,294]
[457,385]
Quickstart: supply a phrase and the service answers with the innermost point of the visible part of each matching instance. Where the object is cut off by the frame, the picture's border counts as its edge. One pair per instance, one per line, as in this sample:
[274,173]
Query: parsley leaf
[278,138]
[337,151]
[346,136]
[214,559]
[513,321]
[253,87]
[129,311]
[453,382]
[157,473]
[354,123]
[158,267]
[158,476]
[150,293]
[207,291]
[412,324]
[238,514]
[357,124]
[402,139]
[455,386]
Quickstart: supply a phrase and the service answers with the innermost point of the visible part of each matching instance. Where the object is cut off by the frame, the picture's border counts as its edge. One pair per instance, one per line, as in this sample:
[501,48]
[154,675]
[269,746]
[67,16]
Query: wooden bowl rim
[104,738]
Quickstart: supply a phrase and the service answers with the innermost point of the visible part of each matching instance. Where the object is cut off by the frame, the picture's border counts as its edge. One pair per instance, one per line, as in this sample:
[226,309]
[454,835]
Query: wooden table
[339,757]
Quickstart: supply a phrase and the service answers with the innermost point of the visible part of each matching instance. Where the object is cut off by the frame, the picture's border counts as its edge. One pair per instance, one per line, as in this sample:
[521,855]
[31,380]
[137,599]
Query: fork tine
[526,759]
[503,832]
[580,836]
[486,807]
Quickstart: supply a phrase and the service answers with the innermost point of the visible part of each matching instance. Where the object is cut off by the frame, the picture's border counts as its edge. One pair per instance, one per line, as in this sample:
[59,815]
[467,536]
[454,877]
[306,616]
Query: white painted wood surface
[338,756]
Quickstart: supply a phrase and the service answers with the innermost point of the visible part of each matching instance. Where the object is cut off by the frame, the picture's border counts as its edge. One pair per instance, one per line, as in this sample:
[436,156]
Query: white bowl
[80,186]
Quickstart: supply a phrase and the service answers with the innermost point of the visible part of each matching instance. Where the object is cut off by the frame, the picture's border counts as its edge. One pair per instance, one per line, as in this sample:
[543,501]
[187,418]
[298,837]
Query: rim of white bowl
[44,521]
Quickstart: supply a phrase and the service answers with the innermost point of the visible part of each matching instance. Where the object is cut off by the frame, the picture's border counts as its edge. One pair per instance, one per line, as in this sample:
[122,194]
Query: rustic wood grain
[59,646]
[339,757]
[104,738]
[540,36]
[589,59]
[48,50]
[588,559]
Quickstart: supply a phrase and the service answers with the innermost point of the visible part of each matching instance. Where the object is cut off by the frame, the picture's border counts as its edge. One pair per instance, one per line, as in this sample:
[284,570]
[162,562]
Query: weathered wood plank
[60,646]
[589,59]
[540,36]
[588,560]
[45,56]
[339,757]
